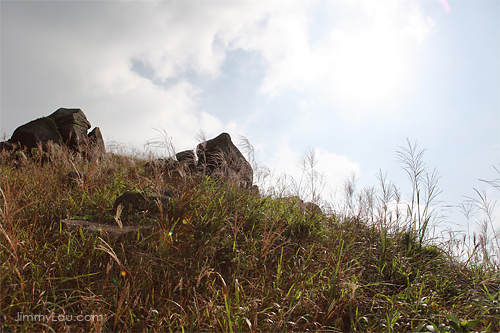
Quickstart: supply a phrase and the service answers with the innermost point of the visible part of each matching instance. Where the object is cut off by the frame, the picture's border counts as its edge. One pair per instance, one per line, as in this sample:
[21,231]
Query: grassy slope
[219,259]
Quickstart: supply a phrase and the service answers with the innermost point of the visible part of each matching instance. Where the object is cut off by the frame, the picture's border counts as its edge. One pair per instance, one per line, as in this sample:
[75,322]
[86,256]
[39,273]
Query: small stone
[75,177]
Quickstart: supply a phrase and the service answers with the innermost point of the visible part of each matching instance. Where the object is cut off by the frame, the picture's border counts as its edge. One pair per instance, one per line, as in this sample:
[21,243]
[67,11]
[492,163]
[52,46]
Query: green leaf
[454,322]
[420,327]
[453,318]
[471,324]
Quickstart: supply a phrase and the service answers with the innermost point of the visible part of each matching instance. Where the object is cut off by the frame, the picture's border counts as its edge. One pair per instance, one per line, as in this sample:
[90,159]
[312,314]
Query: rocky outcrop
[219,157]
[39,131]
[72,125]
[64,126]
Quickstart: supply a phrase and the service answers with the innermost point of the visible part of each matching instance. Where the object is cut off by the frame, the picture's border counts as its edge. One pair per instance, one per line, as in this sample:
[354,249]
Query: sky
[351,80]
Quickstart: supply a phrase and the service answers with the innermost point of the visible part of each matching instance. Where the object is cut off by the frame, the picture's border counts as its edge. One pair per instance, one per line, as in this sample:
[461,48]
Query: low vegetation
[221,258]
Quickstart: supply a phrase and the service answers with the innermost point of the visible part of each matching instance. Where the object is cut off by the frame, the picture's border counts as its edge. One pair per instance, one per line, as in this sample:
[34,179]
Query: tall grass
[223,258]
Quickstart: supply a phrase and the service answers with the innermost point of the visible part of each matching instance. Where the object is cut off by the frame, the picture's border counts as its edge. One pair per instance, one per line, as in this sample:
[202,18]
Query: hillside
[214,256]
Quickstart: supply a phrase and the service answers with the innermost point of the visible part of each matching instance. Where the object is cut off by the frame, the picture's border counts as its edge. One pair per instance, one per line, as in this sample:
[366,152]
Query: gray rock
[37,131]
[63,127]
[131,201]
[96,144]
[255,190]
[75,177]
[168,167]
[188,157]
[105,229]
[305,207]
[73,126]
[96,140]
[219,157]
[312,208]
[134,202]
[7,147]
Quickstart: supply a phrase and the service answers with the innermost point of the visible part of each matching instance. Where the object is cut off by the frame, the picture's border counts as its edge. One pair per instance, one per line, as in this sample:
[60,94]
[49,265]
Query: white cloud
[337,168]
[88,64]
[81,54]
[282,40]
[363,64]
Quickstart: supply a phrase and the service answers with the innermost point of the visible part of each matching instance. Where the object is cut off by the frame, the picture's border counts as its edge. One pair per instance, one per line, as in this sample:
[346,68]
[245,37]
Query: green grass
[225,259]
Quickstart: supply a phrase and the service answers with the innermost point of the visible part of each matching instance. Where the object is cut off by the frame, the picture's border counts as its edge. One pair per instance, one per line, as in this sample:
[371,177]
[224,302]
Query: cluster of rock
[218,158]
[64,126]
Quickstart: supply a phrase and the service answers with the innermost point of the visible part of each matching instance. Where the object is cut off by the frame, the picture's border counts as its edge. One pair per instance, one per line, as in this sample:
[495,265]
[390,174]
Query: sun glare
[368,67]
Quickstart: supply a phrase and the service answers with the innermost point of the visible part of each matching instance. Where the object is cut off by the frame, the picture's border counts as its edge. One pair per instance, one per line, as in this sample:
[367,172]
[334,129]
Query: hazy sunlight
[369,67]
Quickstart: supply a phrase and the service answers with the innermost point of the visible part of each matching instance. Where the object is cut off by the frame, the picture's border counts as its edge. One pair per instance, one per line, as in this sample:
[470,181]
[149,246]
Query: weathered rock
[96,140]
[39,131]
[64,126]
[134,202]
[73,126]
[221,158]
[8,153]
[188,157]
[168,167]
[255,190]
[309,207]
[105,229]
[131,201]
[168,193]
[96,143]
[7,147]
[312,208]
[157,165]
[75,177]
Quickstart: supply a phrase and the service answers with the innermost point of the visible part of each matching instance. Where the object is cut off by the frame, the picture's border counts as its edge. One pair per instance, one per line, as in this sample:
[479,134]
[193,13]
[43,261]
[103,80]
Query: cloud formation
[130,65]
[76,51]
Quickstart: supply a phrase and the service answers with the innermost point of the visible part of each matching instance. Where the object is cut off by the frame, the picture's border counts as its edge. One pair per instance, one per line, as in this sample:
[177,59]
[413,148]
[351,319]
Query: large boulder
[73,126]
[37,131]
[221,158]
[64,126]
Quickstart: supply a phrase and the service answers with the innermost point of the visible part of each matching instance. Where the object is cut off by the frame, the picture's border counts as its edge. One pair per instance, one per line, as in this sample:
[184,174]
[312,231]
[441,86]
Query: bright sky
[351,79]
